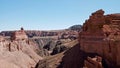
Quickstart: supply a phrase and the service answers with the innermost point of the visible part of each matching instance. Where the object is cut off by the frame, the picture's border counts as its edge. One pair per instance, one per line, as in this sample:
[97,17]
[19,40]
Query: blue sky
[50,14]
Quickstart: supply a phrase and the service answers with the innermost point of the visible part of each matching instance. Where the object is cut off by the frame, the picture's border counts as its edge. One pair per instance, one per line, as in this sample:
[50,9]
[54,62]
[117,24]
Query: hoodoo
[19,35]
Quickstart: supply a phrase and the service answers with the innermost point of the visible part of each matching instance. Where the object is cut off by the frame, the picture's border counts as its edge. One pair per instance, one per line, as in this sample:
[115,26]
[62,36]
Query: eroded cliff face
[18,53]
[21,50]
[99,45]
[70,58]
[101,35]
[65,33]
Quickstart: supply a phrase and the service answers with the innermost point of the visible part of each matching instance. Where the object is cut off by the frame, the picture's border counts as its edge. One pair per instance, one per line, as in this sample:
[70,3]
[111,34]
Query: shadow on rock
[73,58]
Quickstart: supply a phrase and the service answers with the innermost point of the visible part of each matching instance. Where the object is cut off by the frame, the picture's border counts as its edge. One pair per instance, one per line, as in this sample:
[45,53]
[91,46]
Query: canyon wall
[71,31]
[18,52]
[101,35]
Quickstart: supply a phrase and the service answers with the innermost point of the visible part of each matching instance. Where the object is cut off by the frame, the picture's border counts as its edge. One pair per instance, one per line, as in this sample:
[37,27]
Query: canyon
[95,44]
[18,49]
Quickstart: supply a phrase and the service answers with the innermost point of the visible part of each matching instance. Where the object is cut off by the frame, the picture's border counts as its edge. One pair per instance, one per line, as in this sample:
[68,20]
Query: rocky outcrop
[19,35]
[18,53]
[101,35]
[95,62]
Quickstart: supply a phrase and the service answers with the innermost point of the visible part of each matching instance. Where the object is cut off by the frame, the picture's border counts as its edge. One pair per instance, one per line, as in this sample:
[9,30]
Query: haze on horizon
[50,14]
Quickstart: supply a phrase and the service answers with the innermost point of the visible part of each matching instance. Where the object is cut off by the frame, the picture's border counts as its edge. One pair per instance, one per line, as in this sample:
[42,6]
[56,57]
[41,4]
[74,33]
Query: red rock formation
[1,38]
[19,35]
[101,35]
[18,53]
[93,62]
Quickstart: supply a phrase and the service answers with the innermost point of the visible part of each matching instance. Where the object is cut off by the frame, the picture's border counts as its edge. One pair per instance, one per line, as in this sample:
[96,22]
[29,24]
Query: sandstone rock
[6,64]
[18,54]
[95,62]
[19,35]
[18,58]
[1,38]
[101,35]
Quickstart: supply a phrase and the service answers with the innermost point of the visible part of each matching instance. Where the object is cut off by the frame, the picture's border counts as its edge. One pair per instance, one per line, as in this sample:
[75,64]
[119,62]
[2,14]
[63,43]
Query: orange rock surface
[101,35]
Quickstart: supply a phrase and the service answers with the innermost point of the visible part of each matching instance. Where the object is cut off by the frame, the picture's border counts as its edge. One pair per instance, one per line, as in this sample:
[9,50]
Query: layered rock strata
[17,53]
[101,35]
